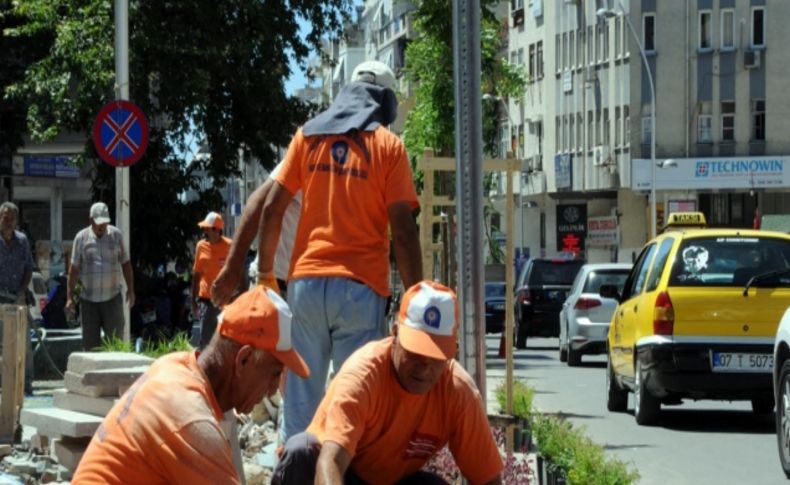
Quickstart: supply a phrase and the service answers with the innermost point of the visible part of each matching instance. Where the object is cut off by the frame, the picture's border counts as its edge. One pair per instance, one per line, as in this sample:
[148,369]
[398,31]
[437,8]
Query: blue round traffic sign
[120,133]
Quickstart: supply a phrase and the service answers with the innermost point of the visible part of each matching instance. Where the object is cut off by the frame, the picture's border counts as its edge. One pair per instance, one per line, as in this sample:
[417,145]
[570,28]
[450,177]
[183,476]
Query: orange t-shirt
[343,225]
[391,433]
[164,429]
[209,260]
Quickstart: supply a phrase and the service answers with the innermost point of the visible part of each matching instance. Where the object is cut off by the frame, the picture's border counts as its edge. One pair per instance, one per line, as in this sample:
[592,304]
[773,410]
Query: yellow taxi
[697,318]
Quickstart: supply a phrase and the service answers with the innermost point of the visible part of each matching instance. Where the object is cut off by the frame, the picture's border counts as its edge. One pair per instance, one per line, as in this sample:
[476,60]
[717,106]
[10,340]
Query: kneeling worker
[166,427]
[394,404]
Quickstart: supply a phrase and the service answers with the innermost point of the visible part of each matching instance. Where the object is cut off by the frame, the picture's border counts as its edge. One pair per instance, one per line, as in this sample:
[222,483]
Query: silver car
[585,315]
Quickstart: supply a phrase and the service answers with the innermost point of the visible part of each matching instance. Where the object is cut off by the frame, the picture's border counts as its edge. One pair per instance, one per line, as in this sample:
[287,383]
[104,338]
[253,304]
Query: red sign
[120,133]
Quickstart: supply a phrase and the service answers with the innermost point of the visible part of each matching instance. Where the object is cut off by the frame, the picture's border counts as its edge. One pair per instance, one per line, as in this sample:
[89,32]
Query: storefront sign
[563,171]
[602,231]
[714,173]
[57,166]
[571,227]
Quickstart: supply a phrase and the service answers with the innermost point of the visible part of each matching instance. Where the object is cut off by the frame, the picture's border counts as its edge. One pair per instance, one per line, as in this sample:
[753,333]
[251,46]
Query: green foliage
[565,447]
[152,349]
[215,70]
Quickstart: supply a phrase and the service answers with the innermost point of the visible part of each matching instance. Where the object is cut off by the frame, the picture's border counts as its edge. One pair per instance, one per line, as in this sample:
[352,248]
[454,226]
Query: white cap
[375,72]
[100,214]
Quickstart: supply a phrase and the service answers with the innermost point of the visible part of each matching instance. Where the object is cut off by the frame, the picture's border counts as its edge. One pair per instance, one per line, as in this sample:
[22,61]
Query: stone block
[98,406]
[60,422]
[121,377]
[39,442]
[82,362]
[69,452]
[6,450]
[73,382]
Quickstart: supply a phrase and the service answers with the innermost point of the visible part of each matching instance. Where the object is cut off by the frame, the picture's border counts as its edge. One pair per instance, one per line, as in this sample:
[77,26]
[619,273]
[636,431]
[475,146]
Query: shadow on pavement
[625,447]
[593,365]
[714,421]
[563,415]
[518,356]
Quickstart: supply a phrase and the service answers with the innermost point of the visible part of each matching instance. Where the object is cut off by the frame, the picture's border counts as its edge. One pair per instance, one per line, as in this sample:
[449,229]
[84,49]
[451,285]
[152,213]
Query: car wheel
[563,353]
[762,405]
[574,357]
[783,417]
[646,406]
[616,398]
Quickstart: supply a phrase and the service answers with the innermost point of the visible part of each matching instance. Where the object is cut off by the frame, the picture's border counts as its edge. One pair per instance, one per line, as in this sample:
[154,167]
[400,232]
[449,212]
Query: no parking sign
[120,133]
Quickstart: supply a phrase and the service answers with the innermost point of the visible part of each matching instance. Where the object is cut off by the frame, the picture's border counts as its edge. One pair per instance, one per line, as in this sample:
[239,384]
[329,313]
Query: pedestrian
[356,181]
[16,269]
[210,255]
[394,404]
[166,427]
[229,279]
[98,259]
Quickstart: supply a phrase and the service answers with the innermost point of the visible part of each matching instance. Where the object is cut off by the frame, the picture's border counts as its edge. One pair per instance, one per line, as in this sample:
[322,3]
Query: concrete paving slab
[60,422]
[113,377]
[97,406]
[69,452]
[73,382]
[82,362]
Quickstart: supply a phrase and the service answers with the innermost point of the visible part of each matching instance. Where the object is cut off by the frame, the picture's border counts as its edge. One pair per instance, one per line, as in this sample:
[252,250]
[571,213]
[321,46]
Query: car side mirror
[609,291]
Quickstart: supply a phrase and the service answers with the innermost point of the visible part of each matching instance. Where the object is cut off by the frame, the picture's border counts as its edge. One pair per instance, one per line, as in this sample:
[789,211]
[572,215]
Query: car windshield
[598,278]
[554,272]
[730,261]
[495,289]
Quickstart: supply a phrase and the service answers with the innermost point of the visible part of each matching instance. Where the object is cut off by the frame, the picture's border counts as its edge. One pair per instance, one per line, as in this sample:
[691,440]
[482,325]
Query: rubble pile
[258,439]
[30,463]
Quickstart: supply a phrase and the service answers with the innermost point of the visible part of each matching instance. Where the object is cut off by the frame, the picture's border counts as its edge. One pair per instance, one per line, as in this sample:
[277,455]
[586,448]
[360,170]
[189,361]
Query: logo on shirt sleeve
[340,152]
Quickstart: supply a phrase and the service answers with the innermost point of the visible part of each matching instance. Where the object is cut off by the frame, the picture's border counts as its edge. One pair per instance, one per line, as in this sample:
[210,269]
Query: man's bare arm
[229,277]
[333,461]
[406,243]
[74,274]
[277,201]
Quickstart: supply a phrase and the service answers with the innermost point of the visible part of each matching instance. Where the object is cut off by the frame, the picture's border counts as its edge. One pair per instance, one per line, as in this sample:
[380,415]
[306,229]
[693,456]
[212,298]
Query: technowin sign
[714,173]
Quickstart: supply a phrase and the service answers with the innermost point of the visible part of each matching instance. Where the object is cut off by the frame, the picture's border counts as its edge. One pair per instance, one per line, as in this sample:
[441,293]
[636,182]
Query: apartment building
[583,126]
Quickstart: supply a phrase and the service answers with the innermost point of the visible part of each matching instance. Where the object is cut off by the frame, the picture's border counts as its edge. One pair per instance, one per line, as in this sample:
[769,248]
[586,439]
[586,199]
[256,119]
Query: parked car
[541,289]
[782,390]
[495,306]
[38,288]
[697,319]
[585,315]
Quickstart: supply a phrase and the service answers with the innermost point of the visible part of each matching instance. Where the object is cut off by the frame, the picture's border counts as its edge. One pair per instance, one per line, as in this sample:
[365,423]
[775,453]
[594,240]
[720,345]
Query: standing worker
[355,180]
[210,255]
[98,258]
[16,269]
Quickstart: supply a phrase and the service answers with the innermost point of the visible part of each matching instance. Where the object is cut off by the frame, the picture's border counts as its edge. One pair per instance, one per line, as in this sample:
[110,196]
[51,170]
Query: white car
[585,315]
[782,390]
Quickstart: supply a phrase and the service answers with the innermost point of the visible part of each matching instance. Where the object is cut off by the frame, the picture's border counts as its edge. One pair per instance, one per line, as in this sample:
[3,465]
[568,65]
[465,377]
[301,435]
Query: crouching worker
[394,404]
[166,427]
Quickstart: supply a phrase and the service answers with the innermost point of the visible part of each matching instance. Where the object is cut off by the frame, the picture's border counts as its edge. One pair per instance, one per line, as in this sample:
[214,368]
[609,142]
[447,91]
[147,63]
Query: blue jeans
[332,318]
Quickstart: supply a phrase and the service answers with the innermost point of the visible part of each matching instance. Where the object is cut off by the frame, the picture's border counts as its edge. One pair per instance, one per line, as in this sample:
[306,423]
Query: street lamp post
[609,13]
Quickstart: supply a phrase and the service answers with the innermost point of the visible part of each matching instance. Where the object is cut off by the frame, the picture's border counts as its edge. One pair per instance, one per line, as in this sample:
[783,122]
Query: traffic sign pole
[122,191]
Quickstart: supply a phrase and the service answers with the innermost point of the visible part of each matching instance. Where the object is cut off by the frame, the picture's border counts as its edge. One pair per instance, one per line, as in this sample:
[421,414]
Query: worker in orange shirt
[166,427]
[355,181]
[394,404]
[210,255]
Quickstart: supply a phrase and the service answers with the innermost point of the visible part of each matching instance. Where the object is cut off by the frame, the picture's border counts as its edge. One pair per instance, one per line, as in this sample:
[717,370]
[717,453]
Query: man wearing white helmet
[355,181]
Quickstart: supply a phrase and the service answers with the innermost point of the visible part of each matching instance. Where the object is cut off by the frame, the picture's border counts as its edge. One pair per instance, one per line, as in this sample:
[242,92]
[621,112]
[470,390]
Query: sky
[298,78]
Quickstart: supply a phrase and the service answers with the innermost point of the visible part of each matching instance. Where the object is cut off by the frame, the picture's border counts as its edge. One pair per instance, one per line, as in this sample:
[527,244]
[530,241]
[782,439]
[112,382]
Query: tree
[214,68]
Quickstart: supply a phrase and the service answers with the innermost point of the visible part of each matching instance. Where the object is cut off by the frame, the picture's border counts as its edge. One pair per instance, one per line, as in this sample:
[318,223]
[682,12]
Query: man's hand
[130,298]
[71,309]
[269,281]
[224,286]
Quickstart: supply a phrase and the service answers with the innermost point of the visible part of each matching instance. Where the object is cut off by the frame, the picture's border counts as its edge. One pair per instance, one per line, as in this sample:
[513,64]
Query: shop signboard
[714,173]
[53,166]
[602,231]
[571,227]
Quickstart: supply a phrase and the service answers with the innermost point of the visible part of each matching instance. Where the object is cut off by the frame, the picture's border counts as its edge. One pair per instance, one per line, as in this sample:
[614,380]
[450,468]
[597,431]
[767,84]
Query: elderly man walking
[98,259]
[396,403]
[16,269]
[356,182]
[166,428]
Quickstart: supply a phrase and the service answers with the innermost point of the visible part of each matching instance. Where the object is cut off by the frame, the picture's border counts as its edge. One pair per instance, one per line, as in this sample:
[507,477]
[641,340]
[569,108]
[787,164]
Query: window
[647,130]
[571,49]
[727,29]
[659,264]
[617,138]
[503,141]
[728,121]
[580,48]
[565,144]
[590,39]
[590,126]
[539,135]
[557,132]
[705,129]
[565,50]
[572,133]
[636,280]
[758,27]
[606,130]
[532,67]
[606,41]
[599,42]
[521,144]
[627,127]
[649,32]
[618,46]
[558,53]
[758,120]
[579,132]
[598,128]
[520,59]
[705,30]
[539,59]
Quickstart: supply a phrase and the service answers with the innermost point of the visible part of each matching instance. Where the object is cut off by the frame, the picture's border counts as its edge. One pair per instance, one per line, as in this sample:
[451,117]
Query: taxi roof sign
[686,219]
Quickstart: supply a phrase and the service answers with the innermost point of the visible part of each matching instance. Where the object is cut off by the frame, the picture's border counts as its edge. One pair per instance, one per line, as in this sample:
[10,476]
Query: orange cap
[212,220]
[428,320]
[262,319]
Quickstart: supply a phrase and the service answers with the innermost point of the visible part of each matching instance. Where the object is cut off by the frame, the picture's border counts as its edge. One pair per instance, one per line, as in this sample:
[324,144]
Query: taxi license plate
[741,362]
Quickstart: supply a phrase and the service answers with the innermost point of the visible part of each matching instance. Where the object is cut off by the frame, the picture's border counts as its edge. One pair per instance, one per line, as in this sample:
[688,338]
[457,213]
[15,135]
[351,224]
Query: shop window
[649,32]
[705,129]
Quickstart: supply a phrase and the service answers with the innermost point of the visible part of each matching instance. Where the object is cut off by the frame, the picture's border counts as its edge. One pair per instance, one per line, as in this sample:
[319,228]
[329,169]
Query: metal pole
[122,93]
[653,211]
[469,185]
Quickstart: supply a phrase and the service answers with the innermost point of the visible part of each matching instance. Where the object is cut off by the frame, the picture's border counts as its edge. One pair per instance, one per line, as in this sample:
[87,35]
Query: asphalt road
[715,442]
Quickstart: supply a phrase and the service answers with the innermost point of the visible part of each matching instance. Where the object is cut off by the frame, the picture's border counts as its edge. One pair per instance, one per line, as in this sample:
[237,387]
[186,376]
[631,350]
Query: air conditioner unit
[751,59]
[600,155]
